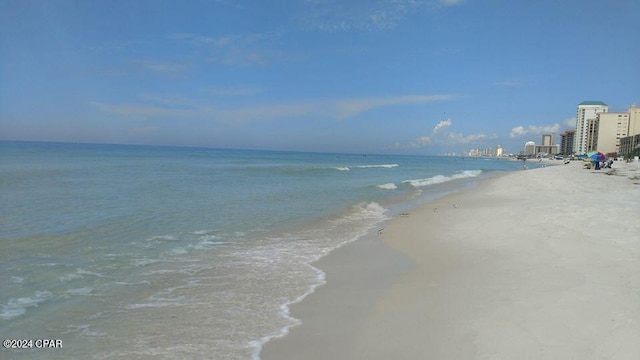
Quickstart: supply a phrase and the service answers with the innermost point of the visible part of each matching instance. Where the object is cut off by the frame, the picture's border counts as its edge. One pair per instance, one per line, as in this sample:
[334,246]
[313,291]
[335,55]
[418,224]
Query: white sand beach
[537,264]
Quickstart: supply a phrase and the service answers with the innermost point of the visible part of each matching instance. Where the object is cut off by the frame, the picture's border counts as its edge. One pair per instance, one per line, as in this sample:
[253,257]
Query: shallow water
[141,252]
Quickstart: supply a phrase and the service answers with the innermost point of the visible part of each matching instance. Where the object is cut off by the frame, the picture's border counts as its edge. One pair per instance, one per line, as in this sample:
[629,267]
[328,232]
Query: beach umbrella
[597,156]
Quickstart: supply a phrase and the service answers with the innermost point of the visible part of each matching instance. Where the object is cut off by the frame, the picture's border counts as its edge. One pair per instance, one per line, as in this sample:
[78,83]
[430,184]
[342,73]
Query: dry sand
[538,264]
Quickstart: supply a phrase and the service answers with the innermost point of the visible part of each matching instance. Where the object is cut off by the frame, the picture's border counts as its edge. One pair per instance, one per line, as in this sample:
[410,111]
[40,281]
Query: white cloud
[166,68]
[442,124]
[421,141]
[176,106]
[458,138]
[517,131]
[438,136]
[337,15]
[223,40]
[234,91]
[244,49]
[349,108]
[571,122]
[450,2]
[533,130]
[144,110]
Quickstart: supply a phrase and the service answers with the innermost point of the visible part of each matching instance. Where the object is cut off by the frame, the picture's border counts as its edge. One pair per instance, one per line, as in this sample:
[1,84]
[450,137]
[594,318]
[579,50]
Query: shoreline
[509,271]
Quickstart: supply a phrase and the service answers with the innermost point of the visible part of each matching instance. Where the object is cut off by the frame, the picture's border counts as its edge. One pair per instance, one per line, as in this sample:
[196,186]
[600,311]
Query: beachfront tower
[612,126]
[566,143]
[530,148]
[634,120]
[587,111]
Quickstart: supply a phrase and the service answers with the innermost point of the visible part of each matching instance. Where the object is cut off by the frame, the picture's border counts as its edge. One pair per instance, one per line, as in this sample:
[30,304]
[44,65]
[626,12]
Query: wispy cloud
[337,16]
[176,106]
[234,91]
[146,110]
[520,131]
[246,49]
[165,68]
[224,40]
[449,2]
[570,122]
[440,137]
[458,138]
[349,108]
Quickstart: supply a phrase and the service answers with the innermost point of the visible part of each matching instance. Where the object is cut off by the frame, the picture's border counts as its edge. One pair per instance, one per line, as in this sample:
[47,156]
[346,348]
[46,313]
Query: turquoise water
[141,252]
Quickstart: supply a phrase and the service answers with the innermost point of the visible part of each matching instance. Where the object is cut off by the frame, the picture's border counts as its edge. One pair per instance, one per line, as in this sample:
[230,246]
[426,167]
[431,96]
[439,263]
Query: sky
[397,76]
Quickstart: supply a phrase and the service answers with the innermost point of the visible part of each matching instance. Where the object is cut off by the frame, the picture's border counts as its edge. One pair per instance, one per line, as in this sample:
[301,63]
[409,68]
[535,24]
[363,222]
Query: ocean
[166,252]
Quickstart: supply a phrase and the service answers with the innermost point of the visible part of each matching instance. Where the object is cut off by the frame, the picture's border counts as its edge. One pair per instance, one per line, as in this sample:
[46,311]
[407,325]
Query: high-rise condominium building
[587,110]
[612,126]
[566,143]
[634,120]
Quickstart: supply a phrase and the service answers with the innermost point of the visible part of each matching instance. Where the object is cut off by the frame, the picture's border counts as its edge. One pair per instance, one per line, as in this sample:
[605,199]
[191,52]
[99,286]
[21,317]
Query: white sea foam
[158,303]
[17,279]
[18,306]
[80,291]
[385,166]
[84,330]
[438,179]
[179,251]
[350,227]
[206,244]
[388,186]
[285,311]
[371,211]
[125,283]
[144,262]
[82,271]
[162,237]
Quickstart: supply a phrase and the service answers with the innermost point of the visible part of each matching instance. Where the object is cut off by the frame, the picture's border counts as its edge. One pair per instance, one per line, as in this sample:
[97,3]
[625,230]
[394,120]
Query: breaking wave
[438,179]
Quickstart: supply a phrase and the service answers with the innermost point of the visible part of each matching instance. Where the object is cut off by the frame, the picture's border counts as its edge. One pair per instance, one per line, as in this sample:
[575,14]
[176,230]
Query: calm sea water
[161,252]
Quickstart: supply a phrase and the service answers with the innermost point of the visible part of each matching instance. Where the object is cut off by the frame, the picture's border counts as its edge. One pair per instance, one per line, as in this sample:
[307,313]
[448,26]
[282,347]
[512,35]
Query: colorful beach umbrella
[597,156]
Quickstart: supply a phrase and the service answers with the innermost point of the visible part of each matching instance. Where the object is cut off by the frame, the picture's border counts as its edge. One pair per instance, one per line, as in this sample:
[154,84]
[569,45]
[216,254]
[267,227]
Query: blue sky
[396,76]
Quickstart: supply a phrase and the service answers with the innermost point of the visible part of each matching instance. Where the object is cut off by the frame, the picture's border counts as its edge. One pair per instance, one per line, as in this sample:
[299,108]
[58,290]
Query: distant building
[548,146]
[629,145]
[611,127]
[634,120]
[592,134]
[499,151]
[586,111]
[530,148]
[566,142]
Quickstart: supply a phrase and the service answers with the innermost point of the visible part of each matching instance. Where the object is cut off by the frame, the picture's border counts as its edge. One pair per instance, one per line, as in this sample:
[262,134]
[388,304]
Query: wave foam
[385,166]
[80,291]
[382,166]
[348,228]
[18,306]
[388,186]
[438,179]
